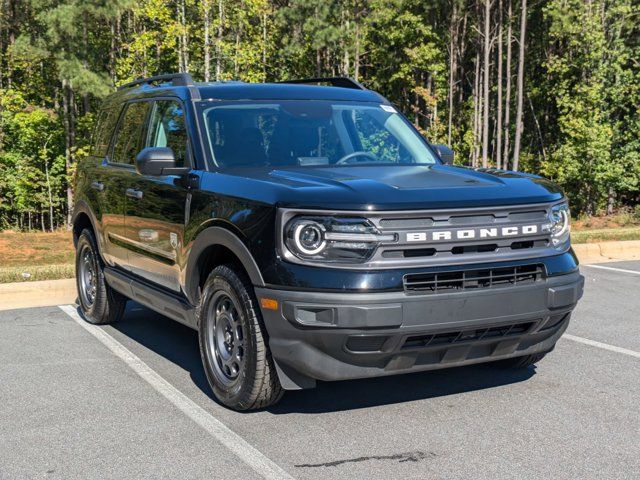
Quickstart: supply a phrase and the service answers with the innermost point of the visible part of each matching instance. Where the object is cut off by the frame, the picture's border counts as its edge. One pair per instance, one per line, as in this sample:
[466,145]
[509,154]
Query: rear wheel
[99,303]
[521,362]
[233,343]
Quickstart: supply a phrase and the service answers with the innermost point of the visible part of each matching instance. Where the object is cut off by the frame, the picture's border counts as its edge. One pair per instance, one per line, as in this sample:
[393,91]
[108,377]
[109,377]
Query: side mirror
[445,154]
[156,161]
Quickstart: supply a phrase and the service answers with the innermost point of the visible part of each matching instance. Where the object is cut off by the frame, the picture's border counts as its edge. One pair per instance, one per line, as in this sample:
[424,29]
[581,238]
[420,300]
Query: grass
[36,256]
[50,256]
[605,235]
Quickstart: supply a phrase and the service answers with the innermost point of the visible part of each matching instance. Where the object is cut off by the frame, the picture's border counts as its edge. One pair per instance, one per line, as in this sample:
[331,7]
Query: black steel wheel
[225,337]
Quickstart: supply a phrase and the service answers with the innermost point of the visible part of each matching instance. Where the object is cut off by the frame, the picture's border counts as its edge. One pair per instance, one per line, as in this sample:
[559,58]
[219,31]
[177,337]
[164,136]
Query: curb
[59,292]
[603,252]
[43,293]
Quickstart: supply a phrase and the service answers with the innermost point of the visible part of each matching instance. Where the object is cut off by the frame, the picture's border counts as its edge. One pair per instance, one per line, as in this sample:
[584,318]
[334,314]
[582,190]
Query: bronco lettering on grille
[471,233]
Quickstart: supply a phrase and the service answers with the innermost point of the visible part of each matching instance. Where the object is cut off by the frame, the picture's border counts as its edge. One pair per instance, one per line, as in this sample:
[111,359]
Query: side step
[152,297]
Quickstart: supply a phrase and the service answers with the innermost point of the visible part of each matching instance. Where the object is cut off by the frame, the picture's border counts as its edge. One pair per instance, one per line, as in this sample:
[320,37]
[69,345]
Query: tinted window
[106,123]
[167,129]
[129,137]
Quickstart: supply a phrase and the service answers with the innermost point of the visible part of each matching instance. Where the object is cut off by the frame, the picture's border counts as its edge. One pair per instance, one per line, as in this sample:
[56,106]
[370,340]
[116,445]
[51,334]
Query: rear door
[158,207]
[118,170]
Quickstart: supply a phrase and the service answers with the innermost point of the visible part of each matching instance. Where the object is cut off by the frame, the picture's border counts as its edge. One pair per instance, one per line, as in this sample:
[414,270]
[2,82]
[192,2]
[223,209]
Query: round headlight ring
[309,238]
[560,219]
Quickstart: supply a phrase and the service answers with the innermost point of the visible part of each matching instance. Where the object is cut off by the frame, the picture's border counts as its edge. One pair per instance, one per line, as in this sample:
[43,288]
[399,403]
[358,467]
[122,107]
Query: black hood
[394,187]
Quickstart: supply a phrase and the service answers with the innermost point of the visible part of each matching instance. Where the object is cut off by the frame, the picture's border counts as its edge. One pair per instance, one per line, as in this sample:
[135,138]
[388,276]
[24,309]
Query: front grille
[459,336]
[452,281]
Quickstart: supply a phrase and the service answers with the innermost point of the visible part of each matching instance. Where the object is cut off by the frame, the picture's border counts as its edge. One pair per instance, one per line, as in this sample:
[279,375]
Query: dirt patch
[19,249]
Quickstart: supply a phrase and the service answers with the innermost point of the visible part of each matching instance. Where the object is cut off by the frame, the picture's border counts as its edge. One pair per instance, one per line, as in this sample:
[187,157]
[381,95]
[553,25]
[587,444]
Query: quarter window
[130,131]
[105,125]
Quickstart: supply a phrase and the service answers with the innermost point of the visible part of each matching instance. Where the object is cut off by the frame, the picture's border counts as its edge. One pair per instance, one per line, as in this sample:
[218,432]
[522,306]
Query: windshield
[311,133]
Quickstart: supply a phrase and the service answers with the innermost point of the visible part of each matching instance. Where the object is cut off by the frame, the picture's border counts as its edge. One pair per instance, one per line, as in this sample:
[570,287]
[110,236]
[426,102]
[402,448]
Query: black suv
[308,232]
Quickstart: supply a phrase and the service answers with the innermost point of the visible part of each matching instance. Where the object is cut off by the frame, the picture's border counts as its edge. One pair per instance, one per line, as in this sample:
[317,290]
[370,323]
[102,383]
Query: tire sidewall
[236,393]
[95,312]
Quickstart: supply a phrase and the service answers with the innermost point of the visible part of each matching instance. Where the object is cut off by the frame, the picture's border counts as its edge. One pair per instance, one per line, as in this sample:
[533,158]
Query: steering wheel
[345,160]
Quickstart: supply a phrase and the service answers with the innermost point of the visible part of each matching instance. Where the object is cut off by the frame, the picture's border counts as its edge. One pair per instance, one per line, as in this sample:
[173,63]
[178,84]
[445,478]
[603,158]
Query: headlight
[559,225]
[332,239]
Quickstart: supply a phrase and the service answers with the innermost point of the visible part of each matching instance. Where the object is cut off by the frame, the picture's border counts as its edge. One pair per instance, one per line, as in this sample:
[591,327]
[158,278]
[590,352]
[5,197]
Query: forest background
[550,87]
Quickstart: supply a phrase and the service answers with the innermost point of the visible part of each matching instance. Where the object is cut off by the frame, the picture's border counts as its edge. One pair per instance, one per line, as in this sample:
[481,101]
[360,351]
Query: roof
[341,89]
[283,91]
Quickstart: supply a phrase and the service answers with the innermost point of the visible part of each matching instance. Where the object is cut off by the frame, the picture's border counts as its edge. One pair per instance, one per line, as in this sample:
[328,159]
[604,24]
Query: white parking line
[234,442]
[635,272]
[605,346]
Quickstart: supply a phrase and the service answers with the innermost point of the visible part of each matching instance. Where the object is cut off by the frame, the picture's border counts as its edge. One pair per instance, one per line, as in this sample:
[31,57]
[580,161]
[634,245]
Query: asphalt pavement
[131,401]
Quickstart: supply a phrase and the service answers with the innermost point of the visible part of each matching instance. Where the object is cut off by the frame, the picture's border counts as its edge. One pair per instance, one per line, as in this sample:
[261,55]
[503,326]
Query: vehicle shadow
[179,344]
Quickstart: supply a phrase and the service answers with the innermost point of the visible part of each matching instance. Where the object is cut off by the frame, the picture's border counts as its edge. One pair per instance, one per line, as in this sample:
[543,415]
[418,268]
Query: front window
[311,133]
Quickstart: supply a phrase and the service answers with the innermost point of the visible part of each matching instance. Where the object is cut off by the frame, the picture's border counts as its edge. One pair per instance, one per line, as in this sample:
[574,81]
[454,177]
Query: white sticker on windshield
[388,108]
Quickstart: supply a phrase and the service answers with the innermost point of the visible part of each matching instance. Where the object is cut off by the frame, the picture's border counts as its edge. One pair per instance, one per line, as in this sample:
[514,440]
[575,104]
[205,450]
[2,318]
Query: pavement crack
[400,457]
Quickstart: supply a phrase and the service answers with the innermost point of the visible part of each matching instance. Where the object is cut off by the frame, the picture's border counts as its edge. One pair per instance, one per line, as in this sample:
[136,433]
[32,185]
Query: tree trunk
[485,85]
[206,6]
[507,100]
[452,67]
[11,40]
[85,57]
[264,47]
[219,40]
[611,201]
[184,39]
[69,134]
[112,52]
[2,22]
[476,110]
[498,149]
[520,94]
[356,58]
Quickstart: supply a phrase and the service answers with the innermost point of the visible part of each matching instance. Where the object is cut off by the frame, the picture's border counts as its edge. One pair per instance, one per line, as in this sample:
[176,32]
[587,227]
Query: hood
[384,187]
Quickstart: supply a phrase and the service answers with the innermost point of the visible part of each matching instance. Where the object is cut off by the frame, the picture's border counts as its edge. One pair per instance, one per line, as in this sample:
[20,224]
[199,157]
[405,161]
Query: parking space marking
[623,270]
[255,459]
[605,346]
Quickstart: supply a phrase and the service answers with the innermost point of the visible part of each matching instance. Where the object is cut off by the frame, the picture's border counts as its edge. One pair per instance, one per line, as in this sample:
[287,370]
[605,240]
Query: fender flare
[82,206]
[212,236]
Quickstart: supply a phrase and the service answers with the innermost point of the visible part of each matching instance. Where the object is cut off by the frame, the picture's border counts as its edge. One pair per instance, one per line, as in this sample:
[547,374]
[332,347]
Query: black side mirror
[445,153]
[156,161]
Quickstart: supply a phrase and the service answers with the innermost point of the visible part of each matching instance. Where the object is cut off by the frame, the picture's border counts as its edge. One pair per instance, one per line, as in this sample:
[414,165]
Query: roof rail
[344,82]
[176,79]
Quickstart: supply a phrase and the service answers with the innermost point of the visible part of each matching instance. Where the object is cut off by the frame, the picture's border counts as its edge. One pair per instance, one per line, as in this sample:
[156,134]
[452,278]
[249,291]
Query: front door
[158,206]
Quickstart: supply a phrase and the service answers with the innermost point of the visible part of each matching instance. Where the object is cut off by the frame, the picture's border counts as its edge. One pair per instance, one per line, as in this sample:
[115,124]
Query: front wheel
[233,343]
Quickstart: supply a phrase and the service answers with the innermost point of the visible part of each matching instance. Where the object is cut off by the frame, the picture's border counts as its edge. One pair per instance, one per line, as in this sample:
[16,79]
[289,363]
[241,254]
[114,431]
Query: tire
[234,344]
[99,303]
[521,362]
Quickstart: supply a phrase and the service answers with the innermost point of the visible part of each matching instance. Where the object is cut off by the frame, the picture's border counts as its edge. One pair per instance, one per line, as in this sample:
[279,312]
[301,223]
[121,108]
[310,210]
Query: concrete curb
[603,252]
[59,292]
[37,294]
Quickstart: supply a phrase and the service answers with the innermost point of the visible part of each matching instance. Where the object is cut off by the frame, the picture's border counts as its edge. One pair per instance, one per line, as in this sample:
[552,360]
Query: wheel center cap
[227,338]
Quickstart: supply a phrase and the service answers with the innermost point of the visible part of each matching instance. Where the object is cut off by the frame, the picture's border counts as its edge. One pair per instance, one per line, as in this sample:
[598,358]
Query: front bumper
[338,336]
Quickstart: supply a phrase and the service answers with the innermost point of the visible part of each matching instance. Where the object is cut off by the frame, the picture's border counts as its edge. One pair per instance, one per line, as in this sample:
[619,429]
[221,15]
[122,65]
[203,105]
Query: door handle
[97,186]
[132,193]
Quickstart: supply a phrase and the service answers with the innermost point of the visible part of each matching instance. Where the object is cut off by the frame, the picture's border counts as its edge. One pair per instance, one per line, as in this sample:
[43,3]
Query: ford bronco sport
[308,232]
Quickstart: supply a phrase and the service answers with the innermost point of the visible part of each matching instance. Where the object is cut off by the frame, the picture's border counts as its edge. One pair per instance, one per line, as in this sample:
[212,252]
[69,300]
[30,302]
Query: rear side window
[129,137]
[106,123]
[167,129]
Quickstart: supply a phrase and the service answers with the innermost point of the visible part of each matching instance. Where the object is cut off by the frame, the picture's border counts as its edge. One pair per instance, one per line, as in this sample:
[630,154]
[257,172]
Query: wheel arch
[82,218]
[213,246]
